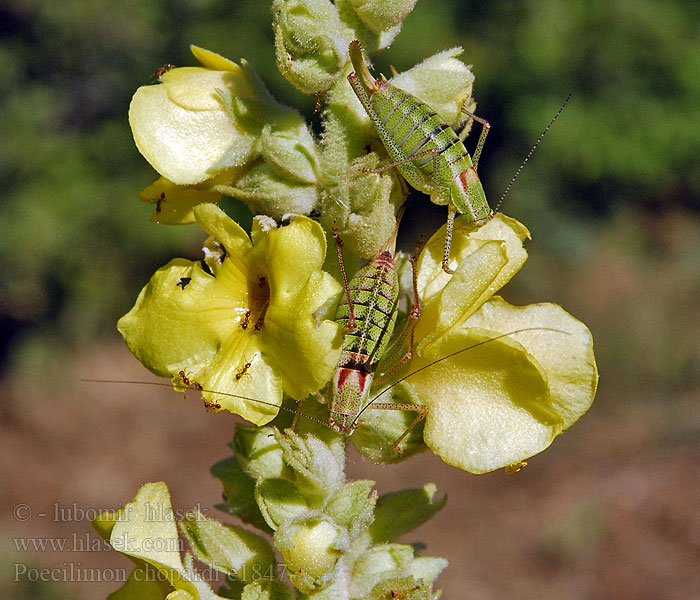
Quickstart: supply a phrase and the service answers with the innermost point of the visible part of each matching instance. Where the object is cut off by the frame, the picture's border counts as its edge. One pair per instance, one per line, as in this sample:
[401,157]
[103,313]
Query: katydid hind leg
[485,127]
[421,409]
[351,326]
[451,214]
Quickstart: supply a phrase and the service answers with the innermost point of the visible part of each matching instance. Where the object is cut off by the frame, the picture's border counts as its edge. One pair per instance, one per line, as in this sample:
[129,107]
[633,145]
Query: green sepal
[400,512]
[317,471]
[239,493]
[235,551]
[352,506]
[259,453]
[406,588]
[280,501]
[265,191]
[378,563]
[428,568]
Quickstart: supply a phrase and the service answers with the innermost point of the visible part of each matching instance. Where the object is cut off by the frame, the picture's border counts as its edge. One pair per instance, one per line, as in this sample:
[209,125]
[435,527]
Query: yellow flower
[506,393]
[184,127]
[216,129]
[247,323]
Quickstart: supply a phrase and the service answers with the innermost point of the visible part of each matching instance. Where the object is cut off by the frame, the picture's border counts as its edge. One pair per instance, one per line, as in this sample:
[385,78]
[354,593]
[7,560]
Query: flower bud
[310,43]
[311,549]
[380,15]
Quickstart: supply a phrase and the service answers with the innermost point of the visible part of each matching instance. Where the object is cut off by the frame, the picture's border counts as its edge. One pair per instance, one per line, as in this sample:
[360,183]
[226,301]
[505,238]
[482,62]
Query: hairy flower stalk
[251,324]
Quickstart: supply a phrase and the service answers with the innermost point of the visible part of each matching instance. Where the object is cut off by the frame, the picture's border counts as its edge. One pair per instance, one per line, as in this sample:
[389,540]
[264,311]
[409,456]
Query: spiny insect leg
[485,127]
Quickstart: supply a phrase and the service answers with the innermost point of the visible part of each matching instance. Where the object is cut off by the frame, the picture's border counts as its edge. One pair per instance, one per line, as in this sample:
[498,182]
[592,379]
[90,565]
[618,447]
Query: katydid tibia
[429,154]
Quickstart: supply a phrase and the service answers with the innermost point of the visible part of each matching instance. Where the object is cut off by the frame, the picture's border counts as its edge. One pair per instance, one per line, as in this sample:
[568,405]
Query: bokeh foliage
[611,196]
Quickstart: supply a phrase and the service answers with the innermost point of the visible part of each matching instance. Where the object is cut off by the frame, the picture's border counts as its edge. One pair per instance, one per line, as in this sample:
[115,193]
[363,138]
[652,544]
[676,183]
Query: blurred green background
[612,197]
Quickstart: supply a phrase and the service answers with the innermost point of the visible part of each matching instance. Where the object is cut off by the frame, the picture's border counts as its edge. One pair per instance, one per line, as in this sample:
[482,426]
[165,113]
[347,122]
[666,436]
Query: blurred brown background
[612,197]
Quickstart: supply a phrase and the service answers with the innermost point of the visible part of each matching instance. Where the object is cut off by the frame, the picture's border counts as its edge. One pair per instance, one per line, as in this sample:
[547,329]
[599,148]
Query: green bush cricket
[426,151]
[368,313]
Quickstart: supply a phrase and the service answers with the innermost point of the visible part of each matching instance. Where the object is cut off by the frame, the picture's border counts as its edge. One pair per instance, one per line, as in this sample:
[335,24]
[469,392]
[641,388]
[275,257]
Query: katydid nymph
[368,313]
[427,152]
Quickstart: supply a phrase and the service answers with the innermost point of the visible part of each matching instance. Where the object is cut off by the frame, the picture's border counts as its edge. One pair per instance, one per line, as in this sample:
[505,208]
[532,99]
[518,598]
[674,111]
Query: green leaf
[239,493]
[399,512]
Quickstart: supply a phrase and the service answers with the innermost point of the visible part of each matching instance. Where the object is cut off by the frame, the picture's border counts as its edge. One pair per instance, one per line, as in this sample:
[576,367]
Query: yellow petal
[467,238]
[305,352]
[489,406]
[253,389]
[212,60]
[226,231]
[566,358]
[146,530]
[196,88]
[186,146]
[463,292]
[181,317]
[174,203]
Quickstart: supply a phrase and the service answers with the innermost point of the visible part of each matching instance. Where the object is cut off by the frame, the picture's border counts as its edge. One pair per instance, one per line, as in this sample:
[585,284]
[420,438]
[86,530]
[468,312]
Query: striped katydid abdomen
[423,147]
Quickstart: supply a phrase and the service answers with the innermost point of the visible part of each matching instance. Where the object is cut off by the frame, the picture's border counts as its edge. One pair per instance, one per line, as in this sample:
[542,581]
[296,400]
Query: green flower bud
[317,471]
[259,453]
[311,549]
[380,15]
[379,563]
[352,506]
[310,43]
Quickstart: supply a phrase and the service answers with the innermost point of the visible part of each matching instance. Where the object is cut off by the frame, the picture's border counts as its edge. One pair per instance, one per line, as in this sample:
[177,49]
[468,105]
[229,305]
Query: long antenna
[450,355]
[532,151]
[196,388]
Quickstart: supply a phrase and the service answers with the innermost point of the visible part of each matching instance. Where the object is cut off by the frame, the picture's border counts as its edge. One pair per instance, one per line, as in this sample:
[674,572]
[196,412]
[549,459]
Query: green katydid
[424,149]
[368,313]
